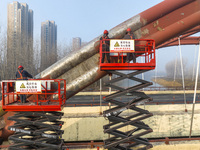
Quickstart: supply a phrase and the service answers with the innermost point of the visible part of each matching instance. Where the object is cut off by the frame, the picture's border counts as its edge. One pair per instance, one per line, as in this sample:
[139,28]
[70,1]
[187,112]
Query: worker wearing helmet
[105,46]
[129,35]
[22,74]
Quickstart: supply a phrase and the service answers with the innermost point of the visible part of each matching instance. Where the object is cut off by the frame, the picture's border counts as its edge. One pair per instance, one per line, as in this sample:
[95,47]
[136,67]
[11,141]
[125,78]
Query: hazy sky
[88,19]
[80,18]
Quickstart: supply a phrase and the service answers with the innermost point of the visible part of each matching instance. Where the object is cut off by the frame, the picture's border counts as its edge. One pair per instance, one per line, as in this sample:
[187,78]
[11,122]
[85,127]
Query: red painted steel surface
[144,49]
[184,41]
[51,98]
[162,9]
[172,24]
[185,38]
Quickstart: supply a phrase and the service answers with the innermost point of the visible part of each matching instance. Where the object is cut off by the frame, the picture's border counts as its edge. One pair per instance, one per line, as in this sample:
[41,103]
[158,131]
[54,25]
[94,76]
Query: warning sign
[22,85]
[122,45]
[116,44]
[28,87]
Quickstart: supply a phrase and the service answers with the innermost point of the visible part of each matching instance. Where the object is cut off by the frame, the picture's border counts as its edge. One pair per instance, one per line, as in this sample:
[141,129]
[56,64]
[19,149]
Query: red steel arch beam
[173,24]
[184,41]
[187,41]
[184,36]
[162,22]
[193,30]
[119,31]
[162,9]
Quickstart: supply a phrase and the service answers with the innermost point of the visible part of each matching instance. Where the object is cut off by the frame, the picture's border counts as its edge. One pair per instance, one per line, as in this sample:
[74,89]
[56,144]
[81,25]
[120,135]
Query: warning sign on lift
[122,45]
[28,87]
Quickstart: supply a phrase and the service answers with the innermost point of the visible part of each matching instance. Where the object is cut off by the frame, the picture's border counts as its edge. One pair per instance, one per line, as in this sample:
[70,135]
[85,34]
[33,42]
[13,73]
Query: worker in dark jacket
[130,35]
[22,74]
[105,46]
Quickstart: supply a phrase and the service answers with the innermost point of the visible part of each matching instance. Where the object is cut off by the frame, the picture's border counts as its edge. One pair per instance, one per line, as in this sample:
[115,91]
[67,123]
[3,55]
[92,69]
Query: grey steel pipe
[119,31]
[72,60]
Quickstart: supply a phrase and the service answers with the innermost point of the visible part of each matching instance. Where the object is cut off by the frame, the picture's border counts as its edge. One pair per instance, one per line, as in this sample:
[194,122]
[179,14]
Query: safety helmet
[105,32]
[128,30]
[21,67]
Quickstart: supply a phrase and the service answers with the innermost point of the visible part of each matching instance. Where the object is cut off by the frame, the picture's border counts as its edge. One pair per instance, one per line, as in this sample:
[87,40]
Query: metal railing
[142,48]
[41,95]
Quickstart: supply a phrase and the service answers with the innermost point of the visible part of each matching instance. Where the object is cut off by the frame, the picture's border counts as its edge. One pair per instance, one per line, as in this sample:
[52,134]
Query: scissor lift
[37,122]
[126,127]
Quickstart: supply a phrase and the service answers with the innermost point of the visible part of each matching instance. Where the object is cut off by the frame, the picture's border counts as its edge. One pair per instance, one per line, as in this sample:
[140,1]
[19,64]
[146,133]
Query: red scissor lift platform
[144,49]
[37,122]
[51,97]
[142,59]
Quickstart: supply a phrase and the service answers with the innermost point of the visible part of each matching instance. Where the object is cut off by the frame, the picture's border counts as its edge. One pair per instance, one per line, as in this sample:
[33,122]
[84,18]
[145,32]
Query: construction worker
[129,35]
[105,46]
[22,74]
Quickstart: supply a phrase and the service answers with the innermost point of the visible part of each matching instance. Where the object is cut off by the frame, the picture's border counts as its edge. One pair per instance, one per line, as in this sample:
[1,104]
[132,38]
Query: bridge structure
[164,23]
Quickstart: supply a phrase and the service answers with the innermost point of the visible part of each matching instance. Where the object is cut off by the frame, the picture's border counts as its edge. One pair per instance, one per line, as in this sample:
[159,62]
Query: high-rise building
[19,36]
[76,43]
[48,44]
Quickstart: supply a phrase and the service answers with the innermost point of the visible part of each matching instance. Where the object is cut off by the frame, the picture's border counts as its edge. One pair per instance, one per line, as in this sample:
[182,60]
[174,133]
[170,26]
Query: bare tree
[63,50]
[3,47]
[171,70]
[36,56]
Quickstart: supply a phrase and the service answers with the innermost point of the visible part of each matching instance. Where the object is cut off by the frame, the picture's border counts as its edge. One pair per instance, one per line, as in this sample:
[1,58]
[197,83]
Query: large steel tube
[173,30]
[162,9]
[135,23]
[184,37]
[160,23]
[173,24]
[184,41]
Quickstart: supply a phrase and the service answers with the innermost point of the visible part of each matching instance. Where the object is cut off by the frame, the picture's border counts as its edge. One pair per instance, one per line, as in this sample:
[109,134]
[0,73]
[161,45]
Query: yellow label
[116,44]
[22,86]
